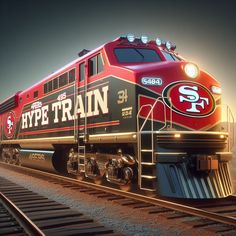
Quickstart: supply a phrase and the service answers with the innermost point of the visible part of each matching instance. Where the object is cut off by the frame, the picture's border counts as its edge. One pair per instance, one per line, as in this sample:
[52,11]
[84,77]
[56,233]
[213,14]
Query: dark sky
[38,37]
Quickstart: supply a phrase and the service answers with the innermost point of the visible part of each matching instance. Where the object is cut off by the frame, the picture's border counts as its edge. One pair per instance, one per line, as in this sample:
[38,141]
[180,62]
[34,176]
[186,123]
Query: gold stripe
[54,140]
[99,138]
[113,137]
[187,132]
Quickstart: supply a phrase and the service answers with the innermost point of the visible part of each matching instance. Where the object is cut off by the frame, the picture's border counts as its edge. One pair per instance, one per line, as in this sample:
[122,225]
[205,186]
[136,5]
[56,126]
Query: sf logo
[190,94]
[10,125]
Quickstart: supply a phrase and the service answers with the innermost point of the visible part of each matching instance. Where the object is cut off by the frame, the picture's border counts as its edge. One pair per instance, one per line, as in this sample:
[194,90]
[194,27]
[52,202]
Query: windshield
[170,56]
[134,55]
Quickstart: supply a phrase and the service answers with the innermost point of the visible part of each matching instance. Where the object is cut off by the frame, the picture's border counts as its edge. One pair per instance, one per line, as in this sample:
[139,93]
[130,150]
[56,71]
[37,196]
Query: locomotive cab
[182,151]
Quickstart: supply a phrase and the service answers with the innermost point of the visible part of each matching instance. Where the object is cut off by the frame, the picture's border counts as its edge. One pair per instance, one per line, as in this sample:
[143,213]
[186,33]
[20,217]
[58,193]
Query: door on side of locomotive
[90,102]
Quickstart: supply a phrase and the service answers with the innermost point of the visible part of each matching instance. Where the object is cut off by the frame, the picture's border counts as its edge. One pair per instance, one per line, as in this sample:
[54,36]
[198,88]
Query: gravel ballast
[121,219]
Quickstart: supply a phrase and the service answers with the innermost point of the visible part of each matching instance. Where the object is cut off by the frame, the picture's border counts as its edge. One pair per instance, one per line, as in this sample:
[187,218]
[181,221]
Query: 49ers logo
[190,99]
[10,125]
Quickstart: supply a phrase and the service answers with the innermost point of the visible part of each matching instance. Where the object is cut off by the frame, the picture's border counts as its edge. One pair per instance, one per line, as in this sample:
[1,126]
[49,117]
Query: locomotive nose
[163,73]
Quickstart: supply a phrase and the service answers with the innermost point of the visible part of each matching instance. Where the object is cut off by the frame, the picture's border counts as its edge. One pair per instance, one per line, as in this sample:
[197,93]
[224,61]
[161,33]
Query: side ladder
[147,177]
[146,163]
[82,133]
[81,154]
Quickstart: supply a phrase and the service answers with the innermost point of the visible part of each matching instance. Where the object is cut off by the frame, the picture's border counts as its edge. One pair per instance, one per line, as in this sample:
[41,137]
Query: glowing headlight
[144,39]
[191,70]
[215,89]
[158,42]
[222,136]
[177,135]
[130,38]
[168,45]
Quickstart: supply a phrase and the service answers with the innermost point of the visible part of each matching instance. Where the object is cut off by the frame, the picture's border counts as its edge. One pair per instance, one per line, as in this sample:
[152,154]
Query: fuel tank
[37,159]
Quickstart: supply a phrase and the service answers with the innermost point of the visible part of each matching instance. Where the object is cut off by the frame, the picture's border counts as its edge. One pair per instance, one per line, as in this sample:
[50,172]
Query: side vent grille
[9,104]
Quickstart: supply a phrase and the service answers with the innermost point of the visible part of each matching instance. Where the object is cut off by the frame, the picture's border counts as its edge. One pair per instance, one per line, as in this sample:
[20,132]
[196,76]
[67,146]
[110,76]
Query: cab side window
[81,71]
[92,66]
[99,63]
[71,75]
[63,79]
[95,65]
[55,83]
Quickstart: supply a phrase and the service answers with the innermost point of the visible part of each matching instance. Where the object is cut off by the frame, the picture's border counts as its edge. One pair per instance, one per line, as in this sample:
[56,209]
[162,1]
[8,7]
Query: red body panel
[194,106]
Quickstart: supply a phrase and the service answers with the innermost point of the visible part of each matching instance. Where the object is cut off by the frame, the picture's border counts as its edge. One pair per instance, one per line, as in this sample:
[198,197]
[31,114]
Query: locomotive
[132,112]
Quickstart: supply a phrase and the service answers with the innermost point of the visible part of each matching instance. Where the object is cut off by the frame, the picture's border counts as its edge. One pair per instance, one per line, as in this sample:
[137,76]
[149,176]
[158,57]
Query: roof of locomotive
[67,66]
[120,41]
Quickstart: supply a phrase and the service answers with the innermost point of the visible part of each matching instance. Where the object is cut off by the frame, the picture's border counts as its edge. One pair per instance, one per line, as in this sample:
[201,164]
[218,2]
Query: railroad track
[218,216]
[24,212]
[13,221]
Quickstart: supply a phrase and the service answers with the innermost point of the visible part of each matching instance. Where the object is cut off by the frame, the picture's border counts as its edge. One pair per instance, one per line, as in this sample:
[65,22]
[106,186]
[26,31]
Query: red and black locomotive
[131,112]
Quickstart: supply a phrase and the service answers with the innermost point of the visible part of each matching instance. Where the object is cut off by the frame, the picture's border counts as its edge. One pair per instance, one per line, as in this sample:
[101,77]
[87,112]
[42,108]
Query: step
[148,163]
[148,182]
[148,189]
[148,176]
[82,168]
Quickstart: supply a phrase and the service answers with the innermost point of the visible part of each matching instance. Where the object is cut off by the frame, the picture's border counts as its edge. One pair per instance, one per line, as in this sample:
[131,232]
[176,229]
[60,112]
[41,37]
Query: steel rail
[155,201]
[167,204]
[29,227]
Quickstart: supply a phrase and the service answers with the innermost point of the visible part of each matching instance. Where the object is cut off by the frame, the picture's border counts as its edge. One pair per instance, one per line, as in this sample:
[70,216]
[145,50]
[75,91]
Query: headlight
[215,89]
[168,45]
[144,39]
[131,38]
[158,42]
[222,136]
[177,135]
[191,70]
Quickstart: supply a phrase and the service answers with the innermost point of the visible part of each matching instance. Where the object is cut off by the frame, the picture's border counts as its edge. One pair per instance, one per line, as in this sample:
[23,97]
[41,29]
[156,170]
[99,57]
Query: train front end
[183,151]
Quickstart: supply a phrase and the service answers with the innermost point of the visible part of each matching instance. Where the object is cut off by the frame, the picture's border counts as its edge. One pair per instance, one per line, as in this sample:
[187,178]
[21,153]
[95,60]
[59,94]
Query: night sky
[38,37]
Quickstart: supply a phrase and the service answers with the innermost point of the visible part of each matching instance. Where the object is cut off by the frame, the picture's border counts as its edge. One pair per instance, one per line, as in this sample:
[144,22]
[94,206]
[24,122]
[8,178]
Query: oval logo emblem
[10,125]
[151,81]
[190,99]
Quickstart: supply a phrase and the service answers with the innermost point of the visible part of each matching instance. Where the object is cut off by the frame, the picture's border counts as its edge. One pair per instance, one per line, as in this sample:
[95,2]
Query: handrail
[146,105]
[230,115]
[140,129]
[229,121]
[152,106]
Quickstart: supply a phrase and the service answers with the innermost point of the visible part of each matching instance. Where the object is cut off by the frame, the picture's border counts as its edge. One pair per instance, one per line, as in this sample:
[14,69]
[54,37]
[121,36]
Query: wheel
[125,188]
[80,177]
[98,181]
